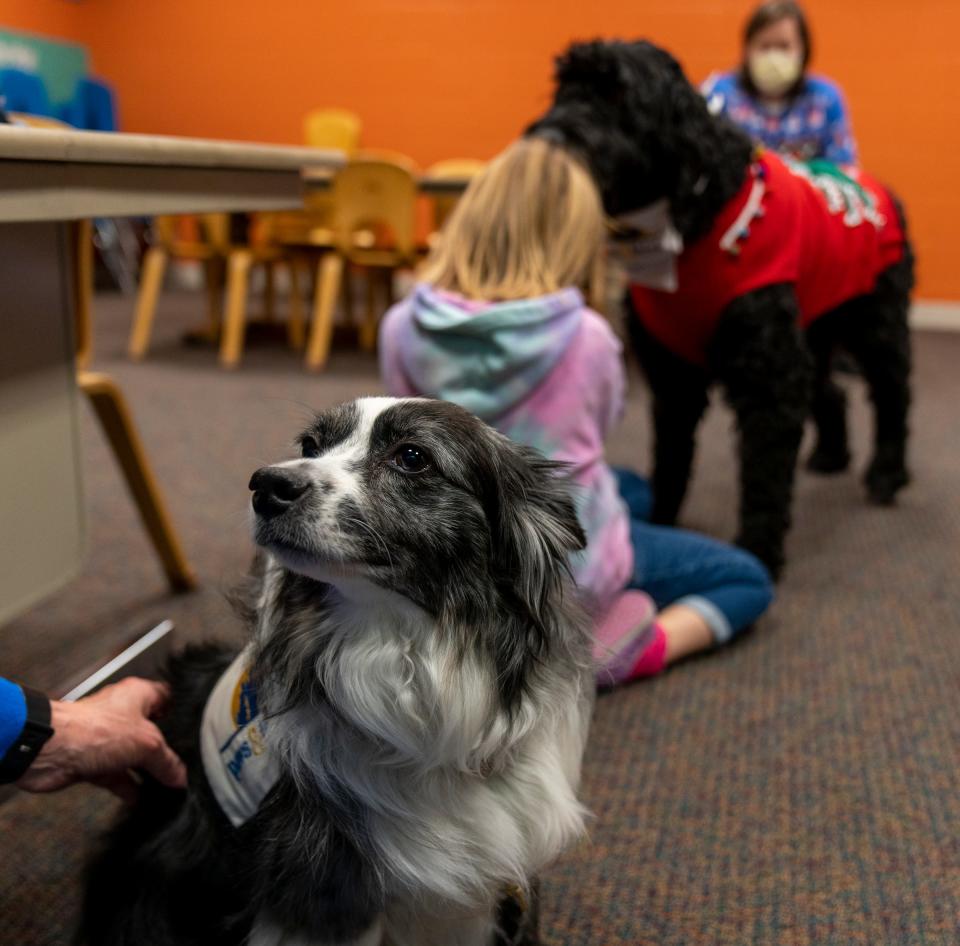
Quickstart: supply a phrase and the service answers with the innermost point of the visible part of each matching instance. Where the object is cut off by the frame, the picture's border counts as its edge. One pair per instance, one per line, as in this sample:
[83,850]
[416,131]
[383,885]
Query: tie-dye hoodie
[546,372]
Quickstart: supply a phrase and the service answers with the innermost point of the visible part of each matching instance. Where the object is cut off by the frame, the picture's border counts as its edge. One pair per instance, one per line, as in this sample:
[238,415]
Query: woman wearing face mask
[773,97]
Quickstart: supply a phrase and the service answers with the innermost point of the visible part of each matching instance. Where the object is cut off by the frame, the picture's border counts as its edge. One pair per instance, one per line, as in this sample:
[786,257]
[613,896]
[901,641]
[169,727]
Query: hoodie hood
[487,357]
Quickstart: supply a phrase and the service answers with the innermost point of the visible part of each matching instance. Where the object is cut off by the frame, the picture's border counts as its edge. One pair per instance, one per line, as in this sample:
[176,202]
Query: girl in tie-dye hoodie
[498,326]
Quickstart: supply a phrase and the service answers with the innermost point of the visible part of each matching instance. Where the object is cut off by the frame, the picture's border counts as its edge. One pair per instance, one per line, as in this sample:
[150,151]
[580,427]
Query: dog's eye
[411,459]
[309,448]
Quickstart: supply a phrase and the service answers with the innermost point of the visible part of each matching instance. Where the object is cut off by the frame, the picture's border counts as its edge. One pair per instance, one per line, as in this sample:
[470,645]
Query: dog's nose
[275,490]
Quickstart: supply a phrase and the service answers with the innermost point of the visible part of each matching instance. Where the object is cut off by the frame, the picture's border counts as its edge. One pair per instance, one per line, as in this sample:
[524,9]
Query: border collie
[399,742]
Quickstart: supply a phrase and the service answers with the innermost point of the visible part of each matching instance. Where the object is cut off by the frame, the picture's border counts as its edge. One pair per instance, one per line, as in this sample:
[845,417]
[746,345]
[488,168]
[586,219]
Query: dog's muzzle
[276,490]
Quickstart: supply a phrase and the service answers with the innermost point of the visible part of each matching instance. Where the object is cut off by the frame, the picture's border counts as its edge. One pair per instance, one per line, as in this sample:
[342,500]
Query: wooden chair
[332,128]
[263,248]
[110,406]
[211,247]
[443,204]
[374,216]
[278,235]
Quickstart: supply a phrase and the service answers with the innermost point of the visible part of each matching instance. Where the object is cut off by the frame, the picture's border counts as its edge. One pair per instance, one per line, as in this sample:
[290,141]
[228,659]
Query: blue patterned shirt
[813,124]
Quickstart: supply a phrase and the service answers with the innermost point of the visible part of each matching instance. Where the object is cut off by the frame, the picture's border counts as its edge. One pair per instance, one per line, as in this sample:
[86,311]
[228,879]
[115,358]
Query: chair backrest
[451,169]
[24,92]
[456,167]
[388,155]
[377,196]
[312,226]
[332,128]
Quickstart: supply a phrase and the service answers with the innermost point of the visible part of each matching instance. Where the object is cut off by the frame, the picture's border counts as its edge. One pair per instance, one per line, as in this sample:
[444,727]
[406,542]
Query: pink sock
[653,658]
[622,635]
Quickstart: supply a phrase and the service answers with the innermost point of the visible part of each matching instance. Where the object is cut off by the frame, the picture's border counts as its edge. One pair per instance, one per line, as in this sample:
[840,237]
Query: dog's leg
[829,407]
[518,918]
[679,398]
[875,331]
[759,355]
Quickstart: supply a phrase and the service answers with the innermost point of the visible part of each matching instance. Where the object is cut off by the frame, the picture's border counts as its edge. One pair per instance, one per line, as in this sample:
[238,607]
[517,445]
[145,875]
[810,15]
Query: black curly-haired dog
[647,135]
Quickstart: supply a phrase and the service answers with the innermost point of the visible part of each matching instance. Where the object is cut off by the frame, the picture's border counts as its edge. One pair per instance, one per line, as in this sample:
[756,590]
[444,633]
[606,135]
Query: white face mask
[649,248]
[774,71]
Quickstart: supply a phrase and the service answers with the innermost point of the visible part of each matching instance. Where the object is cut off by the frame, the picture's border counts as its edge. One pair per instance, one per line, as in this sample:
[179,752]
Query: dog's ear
[534,529]
[537,520]
[691,141]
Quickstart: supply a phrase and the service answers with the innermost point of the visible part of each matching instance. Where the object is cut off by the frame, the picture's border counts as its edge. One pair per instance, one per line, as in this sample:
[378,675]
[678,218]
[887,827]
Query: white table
[47,178]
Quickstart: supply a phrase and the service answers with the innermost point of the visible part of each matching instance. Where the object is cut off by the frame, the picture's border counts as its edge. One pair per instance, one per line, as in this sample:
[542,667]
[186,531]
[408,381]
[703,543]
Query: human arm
[838,142]
[605,368]
[389,347]
[716,91]
[101,738]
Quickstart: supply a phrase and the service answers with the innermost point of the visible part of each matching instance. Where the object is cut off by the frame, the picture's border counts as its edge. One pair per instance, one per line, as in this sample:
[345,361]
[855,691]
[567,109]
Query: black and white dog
[401,739]
[775,266]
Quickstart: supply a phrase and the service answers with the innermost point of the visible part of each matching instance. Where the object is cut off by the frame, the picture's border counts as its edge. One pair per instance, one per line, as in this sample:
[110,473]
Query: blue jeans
[727,586]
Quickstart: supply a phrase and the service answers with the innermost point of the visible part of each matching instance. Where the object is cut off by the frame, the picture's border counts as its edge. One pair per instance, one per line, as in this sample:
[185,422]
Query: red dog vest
[828,233]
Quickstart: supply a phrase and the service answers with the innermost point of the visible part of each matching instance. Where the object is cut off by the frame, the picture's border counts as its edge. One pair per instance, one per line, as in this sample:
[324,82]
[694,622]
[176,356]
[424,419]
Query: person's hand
[100,739]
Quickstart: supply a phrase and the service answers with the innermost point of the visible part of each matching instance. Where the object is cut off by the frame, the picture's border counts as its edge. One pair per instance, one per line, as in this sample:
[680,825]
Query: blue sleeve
[838,143]
[13,714]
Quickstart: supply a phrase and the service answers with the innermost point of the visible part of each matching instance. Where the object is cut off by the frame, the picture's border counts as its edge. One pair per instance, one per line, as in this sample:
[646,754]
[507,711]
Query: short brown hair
[773,11]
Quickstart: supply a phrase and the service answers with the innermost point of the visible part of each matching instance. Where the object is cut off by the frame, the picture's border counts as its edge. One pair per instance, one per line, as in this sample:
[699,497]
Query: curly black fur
[759,357]
[628,111]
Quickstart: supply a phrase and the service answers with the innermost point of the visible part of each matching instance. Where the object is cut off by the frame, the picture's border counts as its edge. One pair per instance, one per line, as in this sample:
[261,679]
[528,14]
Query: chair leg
[368,331]
[151,280]
[269,293]
[114,416]
[388,280]
[214,269]
[296,330]
[348,313]
[329,275]
[234,324]
[81,254]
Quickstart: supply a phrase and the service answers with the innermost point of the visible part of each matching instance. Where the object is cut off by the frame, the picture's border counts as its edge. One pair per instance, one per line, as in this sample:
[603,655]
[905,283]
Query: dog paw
[826,462]
[883,485]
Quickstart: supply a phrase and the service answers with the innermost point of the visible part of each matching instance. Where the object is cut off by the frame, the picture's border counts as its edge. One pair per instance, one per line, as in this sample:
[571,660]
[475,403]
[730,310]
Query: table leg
[114,416]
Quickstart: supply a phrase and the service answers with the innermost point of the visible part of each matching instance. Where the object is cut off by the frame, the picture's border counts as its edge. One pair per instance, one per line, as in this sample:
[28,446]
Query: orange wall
[444,78]
[56,18]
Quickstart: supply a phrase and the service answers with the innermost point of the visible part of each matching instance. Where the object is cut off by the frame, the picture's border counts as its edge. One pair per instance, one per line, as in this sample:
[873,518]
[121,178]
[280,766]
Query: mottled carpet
[798,788]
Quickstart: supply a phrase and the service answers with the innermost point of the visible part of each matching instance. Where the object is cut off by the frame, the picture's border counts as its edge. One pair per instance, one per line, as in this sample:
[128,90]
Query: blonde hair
[531,223]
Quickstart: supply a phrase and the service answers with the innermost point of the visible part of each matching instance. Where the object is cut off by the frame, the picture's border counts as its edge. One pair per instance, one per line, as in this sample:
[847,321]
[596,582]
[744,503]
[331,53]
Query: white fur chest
[458,799]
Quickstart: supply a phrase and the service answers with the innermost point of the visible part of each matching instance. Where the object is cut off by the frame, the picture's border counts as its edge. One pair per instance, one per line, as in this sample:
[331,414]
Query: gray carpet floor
[798,788]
